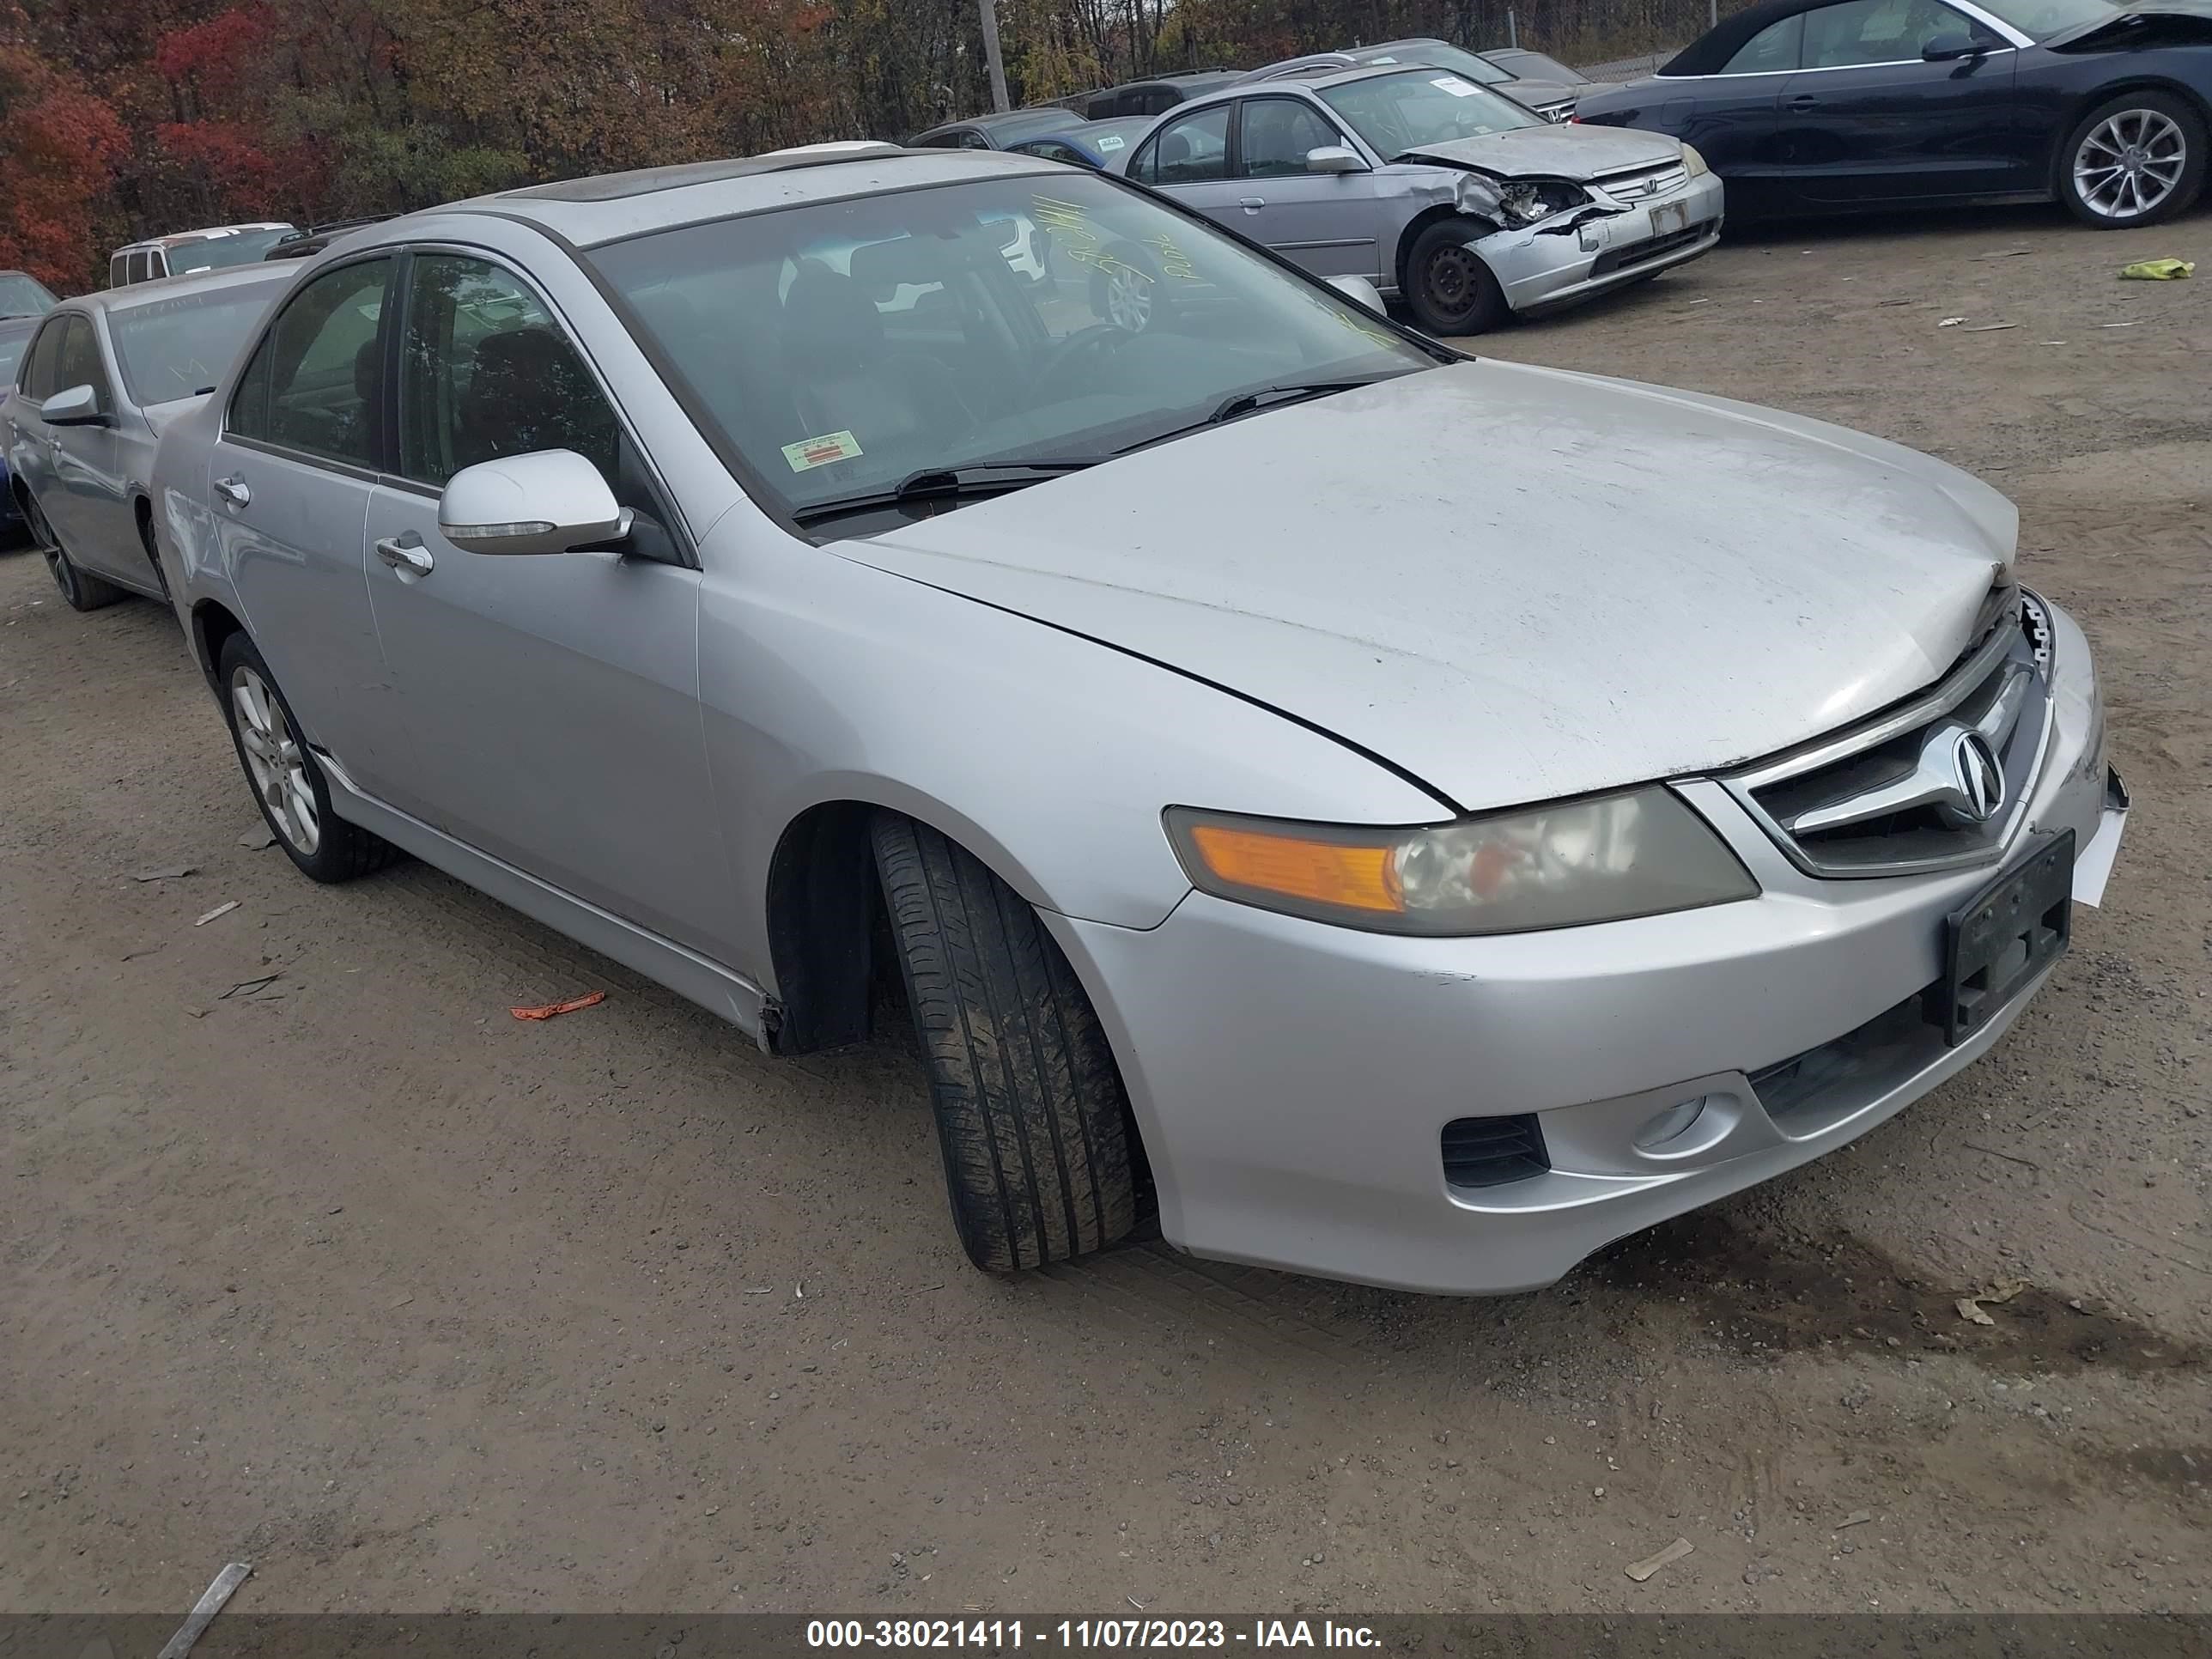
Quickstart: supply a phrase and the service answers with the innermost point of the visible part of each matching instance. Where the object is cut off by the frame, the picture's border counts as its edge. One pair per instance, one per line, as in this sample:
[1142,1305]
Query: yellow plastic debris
[2159,271]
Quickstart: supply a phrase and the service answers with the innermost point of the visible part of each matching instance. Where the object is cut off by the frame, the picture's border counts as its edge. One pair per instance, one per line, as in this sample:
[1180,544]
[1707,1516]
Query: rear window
[22,295]
[221,252]
[176,347]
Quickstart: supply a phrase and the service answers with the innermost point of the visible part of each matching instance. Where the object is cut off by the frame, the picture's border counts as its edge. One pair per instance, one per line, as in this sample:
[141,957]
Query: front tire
[1449,287]
[81,590]
[1032,1117]
[2138,159]
[287,781]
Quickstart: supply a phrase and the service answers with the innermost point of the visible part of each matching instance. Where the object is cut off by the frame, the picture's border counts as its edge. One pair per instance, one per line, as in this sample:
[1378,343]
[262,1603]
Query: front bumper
[1292,1080]
[1550,266]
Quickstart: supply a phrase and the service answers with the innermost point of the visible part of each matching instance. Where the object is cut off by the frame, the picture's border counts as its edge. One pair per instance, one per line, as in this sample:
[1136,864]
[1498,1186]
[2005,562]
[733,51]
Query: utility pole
[991,59]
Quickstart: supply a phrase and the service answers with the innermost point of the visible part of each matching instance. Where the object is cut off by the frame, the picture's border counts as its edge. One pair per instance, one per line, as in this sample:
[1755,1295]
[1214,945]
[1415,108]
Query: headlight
[1601,859]
[1693,161]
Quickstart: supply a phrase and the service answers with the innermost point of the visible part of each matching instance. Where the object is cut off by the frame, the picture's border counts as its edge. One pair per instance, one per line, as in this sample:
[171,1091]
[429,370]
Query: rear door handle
[406,554]
[233,489]
[1251,203]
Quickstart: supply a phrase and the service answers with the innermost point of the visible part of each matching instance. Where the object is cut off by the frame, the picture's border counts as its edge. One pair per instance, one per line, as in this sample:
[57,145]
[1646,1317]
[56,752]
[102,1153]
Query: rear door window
[316,381]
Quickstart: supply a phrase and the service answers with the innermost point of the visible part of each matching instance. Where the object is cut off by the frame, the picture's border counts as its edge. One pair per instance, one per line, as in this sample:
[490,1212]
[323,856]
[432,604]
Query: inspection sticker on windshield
[811,453]
[1453,85]
[1109,143]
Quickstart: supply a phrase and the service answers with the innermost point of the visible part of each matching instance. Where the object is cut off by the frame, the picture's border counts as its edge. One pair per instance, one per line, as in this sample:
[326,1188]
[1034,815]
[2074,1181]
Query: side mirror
[1333,158]
[1945,48]
[552,501]
[1360,292]
[76,405]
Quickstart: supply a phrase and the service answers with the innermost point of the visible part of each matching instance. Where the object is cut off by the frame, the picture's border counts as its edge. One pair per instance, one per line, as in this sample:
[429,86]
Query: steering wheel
[1098,340]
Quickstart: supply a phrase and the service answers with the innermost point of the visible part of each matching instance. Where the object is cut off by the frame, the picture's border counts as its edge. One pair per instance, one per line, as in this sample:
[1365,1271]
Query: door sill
[718,989]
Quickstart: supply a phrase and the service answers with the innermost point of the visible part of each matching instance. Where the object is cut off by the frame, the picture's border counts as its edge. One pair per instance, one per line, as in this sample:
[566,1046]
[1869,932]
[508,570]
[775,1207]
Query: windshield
[1435,54]
[2042,19]
[24,296]
[174,348]
[841,348]
[221,252]
[1421,108]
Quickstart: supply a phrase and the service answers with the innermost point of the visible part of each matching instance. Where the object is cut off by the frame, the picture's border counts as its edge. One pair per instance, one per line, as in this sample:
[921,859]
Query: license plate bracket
[2003,938]
[1670,216]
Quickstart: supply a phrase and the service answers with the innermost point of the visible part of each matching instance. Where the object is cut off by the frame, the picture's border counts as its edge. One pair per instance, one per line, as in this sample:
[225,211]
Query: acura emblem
[1981,780]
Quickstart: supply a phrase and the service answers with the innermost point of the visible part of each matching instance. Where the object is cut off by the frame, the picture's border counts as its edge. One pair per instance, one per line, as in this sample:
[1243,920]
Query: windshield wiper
[1267,397]
[1245,401]
[970,482]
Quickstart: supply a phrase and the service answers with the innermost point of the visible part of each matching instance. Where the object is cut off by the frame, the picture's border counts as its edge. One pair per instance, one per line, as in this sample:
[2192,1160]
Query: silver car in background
[1411,819]
[1548,87]
[92,391]
[1429,186]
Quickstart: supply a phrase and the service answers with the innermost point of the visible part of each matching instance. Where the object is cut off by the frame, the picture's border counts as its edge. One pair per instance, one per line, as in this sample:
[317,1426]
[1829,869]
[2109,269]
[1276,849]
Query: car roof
[998,124]
[591,212]
[205,233]
[134,295]
[1315,79]
[1710,52]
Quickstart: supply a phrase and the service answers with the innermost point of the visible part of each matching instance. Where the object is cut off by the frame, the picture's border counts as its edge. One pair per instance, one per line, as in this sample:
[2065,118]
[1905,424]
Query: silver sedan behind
[93,390]
[1362,801]
[1430,187]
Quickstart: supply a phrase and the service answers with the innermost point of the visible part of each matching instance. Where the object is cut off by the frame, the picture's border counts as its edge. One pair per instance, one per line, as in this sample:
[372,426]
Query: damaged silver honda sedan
[1462,203]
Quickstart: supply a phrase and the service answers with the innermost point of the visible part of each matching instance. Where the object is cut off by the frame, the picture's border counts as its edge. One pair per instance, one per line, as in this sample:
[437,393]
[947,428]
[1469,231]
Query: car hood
[1512,583]
[1569,151]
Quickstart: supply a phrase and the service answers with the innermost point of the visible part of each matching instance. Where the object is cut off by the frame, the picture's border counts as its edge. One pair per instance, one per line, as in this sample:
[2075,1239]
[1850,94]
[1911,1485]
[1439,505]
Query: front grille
[1915,789]
[1618,258]
[1557,113]
[1489,1152]
[1642,184]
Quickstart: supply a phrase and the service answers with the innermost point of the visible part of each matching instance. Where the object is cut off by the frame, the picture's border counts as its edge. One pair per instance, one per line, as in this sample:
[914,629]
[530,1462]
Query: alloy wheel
[2129,163]
[1128,301]
[275,760]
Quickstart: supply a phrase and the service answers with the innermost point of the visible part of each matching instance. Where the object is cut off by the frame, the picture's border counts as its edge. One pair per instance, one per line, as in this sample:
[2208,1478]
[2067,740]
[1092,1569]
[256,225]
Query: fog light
[1670,1125]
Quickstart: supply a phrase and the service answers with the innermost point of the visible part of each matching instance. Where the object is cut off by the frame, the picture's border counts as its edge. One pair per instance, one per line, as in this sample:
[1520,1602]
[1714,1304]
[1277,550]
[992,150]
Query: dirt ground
[417,1307]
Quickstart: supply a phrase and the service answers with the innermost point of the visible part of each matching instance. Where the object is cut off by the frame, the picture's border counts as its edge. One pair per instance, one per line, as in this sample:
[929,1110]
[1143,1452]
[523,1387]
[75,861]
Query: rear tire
[2138,159]
[1031,1116]
[1449,287]
[81,590]
[284,775]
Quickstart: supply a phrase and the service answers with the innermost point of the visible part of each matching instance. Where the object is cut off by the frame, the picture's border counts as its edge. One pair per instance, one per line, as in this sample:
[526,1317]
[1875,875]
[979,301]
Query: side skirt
[720,990]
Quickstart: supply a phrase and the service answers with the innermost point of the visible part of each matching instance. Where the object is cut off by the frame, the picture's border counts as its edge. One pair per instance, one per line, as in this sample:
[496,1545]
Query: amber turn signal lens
[1324,872]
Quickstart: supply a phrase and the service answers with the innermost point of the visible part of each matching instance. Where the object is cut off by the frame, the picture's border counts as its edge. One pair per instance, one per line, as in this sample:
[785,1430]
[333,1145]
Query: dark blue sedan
[1808,106]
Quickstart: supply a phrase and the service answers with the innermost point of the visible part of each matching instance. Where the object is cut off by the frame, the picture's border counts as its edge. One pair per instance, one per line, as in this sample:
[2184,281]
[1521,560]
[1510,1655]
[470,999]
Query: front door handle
[405,554]
[233,489]
[1251,203]
[1803,101]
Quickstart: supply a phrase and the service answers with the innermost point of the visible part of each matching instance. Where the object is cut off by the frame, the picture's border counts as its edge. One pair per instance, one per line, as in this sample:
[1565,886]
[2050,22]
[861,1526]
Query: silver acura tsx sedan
[1395,817]
[92,392]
